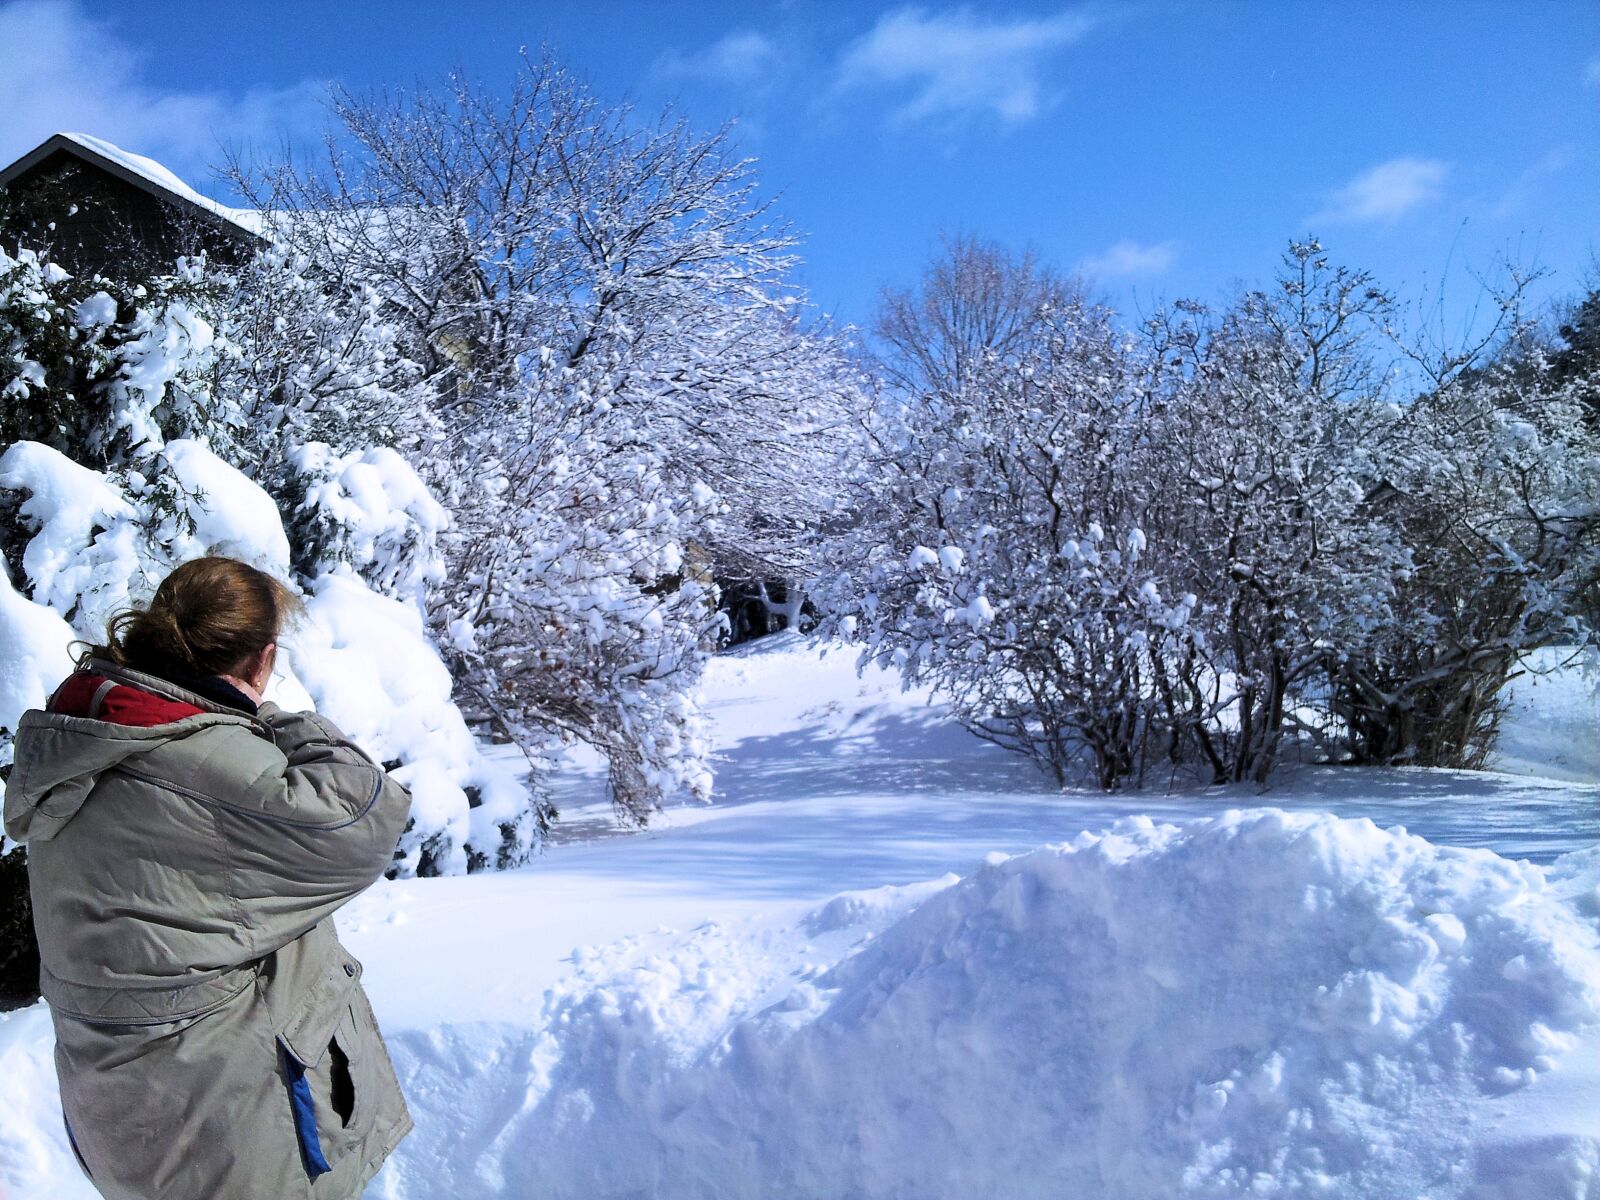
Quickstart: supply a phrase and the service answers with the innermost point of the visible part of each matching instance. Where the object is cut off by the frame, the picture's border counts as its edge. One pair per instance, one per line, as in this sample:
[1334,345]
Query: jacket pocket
[314,1054]
[379,1103]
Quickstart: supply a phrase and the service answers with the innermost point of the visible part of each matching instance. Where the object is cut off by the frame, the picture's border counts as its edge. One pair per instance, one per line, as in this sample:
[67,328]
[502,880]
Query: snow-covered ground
[892,961]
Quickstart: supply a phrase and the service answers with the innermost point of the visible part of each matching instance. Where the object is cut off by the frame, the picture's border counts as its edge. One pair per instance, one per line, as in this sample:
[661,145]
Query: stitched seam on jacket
[108,731]
[298,746]
[233,884]
[161,1019]
[377,787]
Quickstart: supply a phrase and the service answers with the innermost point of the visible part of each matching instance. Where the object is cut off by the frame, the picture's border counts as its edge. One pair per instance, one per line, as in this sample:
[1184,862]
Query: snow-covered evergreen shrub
[137,470]
[368,509]
[33,648]
[107,368]
[33,659]
[360,656]
[468,812]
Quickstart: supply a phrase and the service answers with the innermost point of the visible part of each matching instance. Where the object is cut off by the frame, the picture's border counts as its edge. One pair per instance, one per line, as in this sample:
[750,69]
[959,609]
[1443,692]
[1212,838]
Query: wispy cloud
[741,57]
[1591,72]
[1525,188]
[960,63]
[70,71]
[1130,260]
[1386,192]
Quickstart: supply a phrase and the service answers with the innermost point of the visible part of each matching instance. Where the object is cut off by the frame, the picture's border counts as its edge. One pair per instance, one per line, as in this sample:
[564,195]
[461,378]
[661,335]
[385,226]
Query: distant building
[95,208]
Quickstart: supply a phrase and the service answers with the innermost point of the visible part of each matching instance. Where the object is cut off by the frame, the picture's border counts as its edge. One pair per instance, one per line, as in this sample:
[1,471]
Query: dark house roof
[94,206]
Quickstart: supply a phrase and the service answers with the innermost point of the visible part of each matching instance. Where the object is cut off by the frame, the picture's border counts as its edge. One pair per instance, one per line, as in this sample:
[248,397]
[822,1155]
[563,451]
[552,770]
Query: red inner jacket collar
[101,699]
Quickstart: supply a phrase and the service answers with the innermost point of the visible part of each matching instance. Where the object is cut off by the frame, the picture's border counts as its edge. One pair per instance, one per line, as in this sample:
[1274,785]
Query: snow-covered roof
[337,234]
[136,169]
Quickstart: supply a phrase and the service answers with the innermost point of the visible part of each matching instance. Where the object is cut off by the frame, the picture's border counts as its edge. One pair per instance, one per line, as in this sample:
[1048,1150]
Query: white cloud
[1591,73]
[961,63]
[1386,192]
[1524,190]
[66,71]
[741,57]
[1128,259]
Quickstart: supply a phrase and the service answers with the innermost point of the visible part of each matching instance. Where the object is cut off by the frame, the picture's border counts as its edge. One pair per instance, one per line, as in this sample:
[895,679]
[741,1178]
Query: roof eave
[110,166]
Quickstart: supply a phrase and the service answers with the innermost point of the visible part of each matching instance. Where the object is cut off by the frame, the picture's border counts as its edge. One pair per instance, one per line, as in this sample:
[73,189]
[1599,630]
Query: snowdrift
[1259,1004]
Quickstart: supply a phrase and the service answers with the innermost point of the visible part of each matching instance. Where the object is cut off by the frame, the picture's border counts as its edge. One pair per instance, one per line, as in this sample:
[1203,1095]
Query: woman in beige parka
[188,845]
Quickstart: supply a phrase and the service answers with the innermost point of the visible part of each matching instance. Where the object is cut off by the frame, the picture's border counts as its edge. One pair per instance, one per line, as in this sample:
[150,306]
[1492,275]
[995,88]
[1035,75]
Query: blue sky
[1164,148]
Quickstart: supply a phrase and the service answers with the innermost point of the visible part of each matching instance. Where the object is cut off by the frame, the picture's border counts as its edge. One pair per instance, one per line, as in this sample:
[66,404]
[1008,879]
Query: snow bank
[1552,723]
[36,1162]
[1106,1017]
[1259,1004]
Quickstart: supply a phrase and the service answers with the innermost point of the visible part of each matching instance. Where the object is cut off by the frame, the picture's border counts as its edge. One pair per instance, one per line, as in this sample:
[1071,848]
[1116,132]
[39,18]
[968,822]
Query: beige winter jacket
[213,1041]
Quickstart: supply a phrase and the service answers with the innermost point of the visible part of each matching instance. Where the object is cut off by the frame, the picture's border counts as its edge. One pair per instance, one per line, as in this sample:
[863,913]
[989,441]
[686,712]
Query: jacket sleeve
[324,823]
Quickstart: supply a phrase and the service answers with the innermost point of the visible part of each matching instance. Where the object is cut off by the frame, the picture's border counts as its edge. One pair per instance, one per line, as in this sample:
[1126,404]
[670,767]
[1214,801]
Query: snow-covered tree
[1493,487]
[317,359]
[992,542]
[1195,541]
[338,423]
[1263,445]
[1485,477]
[631,399]
[137,437]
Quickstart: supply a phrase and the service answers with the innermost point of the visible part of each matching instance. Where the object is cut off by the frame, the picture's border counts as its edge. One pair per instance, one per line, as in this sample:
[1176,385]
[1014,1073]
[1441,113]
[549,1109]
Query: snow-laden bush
[361,657]
[1263,444]
[104,367]
[1192,543]
[131,476]
[997,549]
[468,812]
[83,556]
[33,647]
[33,660]
[315,358]
[1493,487]
[584,613]
[369,509]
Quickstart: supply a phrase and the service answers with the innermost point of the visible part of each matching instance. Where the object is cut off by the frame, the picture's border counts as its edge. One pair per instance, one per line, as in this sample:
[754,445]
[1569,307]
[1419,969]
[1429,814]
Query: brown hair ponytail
[206,618]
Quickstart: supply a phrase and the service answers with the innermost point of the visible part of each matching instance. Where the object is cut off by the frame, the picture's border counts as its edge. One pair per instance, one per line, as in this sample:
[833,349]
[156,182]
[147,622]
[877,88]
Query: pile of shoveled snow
[1258,1004]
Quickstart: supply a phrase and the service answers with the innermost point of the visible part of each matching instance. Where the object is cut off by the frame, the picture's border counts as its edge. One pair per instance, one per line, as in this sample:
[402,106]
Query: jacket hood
[59,758]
